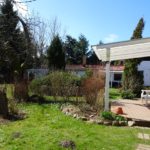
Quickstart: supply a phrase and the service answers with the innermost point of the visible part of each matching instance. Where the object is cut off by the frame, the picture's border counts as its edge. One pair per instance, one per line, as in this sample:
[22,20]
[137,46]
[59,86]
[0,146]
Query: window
[117,77]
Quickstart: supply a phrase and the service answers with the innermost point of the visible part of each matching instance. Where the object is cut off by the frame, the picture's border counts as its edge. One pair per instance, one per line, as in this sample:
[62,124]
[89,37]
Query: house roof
[92,67]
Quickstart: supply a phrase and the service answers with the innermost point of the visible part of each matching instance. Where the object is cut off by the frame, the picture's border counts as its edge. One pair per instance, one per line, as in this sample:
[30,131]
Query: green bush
[111,116]
[57,83]
[36,86]
[119,118]
[127,95]
[107,115]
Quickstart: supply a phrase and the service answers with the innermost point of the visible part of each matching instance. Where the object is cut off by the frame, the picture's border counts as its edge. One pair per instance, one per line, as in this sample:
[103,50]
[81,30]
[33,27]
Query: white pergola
[120,51]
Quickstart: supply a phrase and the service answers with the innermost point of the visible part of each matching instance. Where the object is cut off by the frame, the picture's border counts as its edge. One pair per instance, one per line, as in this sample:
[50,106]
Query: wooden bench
[145,95]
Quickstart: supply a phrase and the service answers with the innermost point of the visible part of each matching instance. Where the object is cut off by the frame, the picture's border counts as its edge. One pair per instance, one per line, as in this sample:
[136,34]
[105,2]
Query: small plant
[13,107]
[127,94]
[119,118]
[107,115]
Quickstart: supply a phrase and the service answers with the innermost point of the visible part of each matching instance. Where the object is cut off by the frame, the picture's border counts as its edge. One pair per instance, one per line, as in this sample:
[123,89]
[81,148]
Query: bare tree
[55,28]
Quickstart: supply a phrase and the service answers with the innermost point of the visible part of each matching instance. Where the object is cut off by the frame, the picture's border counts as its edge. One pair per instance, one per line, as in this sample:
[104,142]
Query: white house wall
[145,67]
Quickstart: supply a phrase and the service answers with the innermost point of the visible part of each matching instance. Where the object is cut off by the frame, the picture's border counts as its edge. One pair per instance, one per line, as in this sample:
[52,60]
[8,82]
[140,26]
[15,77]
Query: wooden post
[107,81]
[3,104]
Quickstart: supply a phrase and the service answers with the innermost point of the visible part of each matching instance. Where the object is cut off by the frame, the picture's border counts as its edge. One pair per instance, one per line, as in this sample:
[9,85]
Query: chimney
[84,60]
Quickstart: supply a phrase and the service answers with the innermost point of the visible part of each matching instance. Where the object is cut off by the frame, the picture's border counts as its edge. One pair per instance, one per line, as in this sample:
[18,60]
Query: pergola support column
[107,80]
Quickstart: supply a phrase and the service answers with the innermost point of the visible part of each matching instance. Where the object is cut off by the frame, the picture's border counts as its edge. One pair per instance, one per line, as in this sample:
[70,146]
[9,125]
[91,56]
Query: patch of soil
[16,135]
[12,117]
[68,144]
[4,121]
[19,116]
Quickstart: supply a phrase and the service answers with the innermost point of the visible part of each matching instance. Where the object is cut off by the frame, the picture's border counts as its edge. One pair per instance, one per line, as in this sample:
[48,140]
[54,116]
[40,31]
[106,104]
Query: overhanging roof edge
[122,43]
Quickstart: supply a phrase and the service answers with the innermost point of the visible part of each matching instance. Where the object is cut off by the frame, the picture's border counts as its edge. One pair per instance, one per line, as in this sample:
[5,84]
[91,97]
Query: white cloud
[111,38]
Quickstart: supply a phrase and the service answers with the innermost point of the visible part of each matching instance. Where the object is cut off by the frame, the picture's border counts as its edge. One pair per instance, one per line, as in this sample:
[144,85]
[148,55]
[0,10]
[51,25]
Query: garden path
[133,109]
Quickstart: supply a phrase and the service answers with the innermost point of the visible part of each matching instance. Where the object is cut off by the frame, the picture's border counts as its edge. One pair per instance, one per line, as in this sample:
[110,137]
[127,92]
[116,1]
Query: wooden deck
[134,109]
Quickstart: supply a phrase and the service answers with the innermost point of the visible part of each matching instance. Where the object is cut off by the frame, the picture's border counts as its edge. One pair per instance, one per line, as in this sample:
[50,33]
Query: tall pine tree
[132,78]
[56,55]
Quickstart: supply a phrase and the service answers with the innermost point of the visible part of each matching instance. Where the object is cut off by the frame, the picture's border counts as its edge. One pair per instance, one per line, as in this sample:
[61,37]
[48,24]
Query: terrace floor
[133,109]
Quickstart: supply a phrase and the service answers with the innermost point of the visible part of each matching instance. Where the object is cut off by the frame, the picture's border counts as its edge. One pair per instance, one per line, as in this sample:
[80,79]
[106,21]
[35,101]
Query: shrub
[111,116]
[132,87]
[13,107]
[21,91]
[119,118]
[40,86]
[127,95]
[57,83]
[107,115]
[64,84]
[93,88]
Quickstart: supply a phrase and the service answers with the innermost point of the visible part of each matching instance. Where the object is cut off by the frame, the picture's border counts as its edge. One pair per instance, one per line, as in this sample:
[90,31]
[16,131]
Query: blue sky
[106,20]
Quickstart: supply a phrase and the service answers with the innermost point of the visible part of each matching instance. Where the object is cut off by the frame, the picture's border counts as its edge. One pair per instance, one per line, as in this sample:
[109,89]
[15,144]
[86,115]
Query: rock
[99,122]
[83,118]
[131,123]
[68,113]
[16,135]
[115,123]
[75,115]
[122,123]
[91,121]
[107,122]
[91,116]
[71,109]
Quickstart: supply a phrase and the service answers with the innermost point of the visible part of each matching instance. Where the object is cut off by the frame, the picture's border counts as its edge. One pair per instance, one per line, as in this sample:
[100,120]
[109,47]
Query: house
[36,73]
[145,68]
[116,72]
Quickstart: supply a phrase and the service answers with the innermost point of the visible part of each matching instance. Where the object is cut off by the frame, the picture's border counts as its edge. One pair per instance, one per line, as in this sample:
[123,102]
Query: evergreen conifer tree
[132,78]
[56,55]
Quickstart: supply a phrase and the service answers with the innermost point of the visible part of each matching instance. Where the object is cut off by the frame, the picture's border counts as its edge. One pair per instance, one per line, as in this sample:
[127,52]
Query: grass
[46,126]
[115,93]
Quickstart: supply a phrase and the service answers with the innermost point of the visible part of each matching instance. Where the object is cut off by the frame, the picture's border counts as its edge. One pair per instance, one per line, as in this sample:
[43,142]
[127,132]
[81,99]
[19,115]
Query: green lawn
[46,126]
[115,93]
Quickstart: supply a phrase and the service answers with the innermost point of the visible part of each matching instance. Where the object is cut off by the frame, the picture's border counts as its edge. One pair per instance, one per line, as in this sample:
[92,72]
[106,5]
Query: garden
[59,109]
[58,112]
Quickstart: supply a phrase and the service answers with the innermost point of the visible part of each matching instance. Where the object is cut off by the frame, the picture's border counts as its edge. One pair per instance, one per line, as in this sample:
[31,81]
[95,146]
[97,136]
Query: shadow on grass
[115,93]
[51,100]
